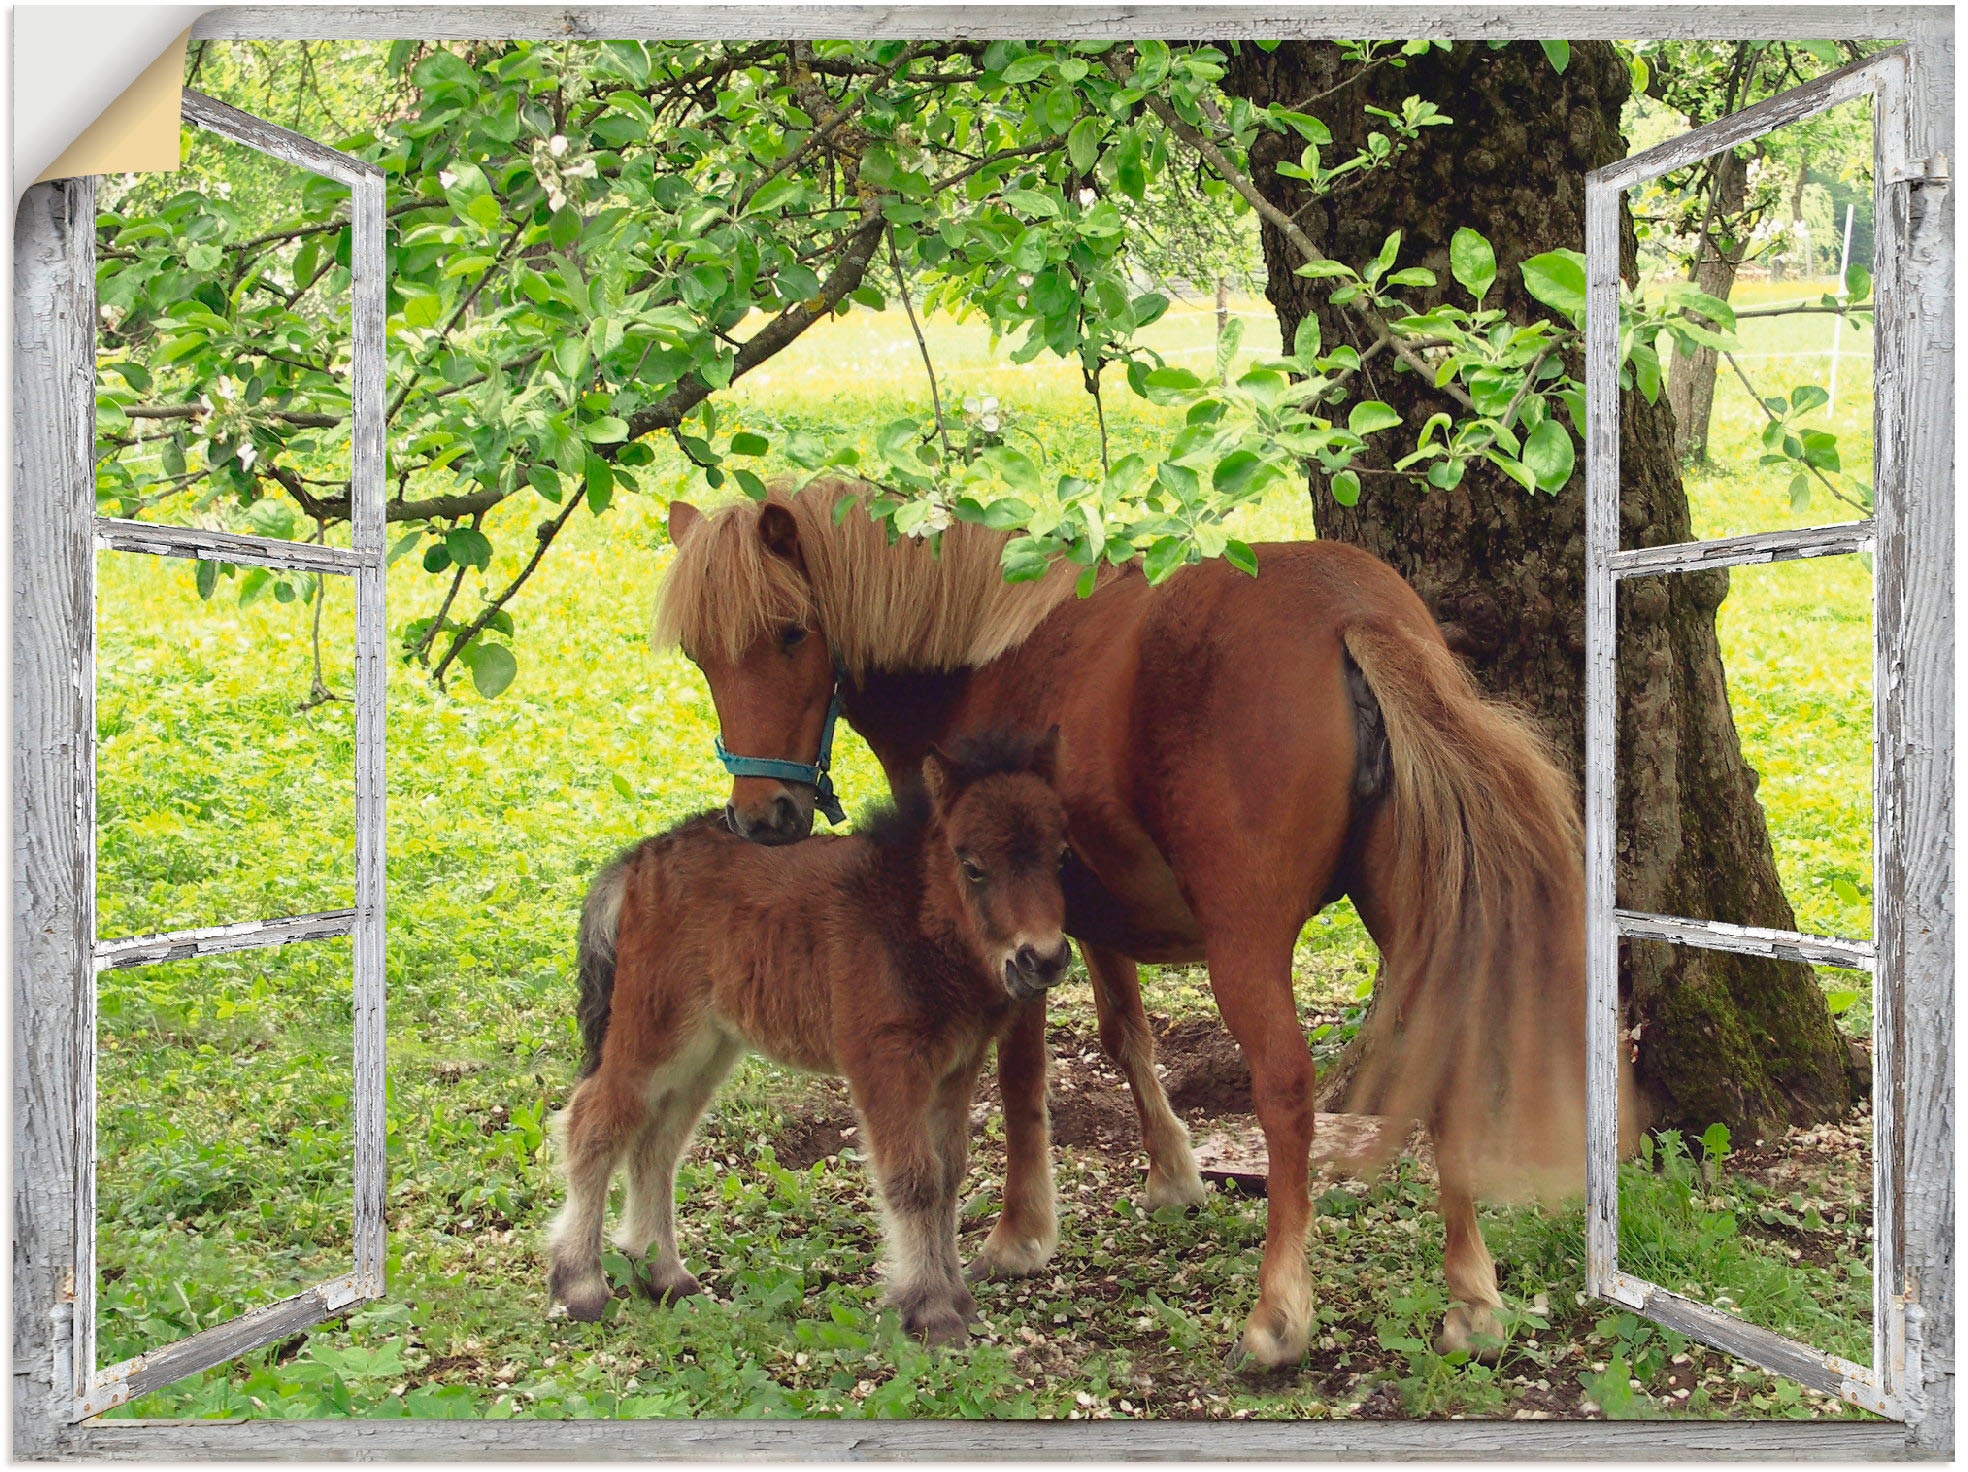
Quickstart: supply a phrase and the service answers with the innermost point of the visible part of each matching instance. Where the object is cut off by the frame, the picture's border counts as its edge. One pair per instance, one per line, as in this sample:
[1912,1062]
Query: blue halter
[815,774]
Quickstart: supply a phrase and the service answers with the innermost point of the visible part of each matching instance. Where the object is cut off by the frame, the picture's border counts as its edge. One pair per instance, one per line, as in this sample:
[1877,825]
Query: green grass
[225,1082]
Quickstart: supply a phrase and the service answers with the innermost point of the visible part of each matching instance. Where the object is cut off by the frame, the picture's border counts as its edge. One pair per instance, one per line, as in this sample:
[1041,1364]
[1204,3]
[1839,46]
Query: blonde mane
[900,607]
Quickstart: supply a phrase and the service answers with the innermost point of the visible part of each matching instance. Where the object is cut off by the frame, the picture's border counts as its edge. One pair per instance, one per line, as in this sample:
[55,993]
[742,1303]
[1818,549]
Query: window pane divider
[1749,940]
[1784,546]
[119,1383]
[217,940]
[216,546]
[1828,1374]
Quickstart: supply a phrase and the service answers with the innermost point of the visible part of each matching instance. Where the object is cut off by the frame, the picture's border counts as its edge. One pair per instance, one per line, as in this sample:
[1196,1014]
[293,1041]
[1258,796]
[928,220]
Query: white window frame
[54,541]
[88,1389]
[1911,817]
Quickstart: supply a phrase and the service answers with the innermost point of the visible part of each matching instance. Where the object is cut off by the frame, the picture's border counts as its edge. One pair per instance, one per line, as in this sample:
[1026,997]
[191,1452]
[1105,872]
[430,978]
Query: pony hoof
[1472,1329]
[1271,1343]
[941,1325]
[966,1306]
[667,1287]
[586,1299]
[1174,1190]
[1009,1257]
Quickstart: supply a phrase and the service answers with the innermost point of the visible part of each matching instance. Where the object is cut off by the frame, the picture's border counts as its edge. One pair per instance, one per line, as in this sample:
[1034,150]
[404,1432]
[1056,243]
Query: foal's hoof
[940,1324]
[666,1287]
[586,1299]
[1472,1329]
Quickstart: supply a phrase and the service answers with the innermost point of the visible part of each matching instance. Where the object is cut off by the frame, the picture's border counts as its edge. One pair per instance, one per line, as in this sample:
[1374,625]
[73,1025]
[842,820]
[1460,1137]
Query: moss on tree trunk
[1745,1041]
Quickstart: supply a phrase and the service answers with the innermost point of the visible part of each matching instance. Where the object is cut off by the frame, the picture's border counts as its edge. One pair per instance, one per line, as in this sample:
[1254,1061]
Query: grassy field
[224,1083]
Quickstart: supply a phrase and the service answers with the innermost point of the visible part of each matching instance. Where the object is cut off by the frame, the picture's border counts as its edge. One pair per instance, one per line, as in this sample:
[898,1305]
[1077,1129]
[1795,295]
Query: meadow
[224,1083]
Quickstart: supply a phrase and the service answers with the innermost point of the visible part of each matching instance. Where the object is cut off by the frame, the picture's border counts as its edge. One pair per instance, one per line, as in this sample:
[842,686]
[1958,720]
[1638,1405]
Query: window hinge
[1932,170]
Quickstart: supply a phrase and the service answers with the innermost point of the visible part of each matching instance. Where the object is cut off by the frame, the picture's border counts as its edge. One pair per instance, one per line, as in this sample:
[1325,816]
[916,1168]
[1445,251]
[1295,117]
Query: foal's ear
[684,521]
[939,777]
[1045,755]
[780,533]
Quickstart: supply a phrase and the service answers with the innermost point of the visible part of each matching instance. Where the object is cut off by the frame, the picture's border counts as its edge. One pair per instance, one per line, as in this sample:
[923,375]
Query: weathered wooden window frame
[72,546]
[54,541]
[1890,1385]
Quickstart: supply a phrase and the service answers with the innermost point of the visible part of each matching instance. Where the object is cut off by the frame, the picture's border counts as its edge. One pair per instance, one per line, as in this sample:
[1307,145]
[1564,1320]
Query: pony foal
[893,958]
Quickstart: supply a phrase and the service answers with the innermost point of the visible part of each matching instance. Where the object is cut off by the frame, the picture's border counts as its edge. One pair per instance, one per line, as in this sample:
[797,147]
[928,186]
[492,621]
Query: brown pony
[893,958]
[1240,752]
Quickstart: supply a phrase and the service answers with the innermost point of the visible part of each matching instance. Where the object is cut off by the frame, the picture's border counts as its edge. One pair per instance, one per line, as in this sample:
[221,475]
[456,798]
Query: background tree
[1720,1036]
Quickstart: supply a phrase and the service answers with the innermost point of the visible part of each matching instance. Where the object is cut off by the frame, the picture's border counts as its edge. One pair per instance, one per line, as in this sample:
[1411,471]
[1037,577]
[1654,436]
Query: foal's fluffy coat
[893,958]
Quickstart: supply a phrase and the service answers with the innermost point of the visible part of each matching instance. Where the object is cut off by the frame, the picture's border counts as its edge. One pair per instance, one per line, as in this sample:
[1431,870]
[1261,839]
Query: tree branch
[547,532]
[1286,225]
[847,276]
[922,343]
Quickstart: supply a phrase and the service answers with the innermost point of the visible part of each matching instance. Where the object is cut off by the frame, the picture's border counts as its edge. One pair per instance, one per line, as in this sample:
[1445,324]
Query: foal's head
[995,843]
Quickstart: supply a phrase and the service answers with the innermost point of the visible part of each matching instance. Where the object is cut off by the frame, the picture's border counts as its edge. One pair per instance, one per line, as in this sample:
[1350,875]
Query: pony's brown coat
[1223,783]
[892,958]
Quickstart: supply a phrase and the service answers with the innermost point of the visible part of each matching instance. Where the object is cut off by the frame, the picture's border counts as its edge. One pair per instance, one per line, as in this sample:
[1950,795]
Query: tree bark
[1724,1038]
[1691,380]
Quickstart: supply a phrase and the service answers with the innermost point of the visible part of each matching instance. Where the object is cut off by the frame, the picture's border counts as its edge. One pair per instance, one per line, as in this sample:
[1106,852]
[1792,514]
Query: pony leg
[601,1122]
[1027,1230]
[1251,979]
[919,1217]
[1467,1266]
[649,1219]
[950,1131]
[1173,1179]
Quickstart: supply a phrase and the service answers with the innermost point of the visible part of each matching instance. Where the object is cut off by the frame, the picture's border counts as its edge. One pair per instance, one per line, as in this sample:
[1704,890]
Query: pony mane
[903,607]
[898,825]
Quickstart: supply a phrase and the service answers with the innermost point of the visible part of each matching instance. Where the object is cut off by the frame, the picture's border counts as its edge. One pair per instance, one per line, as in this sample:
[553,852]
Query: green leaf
[1839,1003]
[1239,555]
[774,194]
[1346,488]
[1858,282]
[1472,262]
[402,545]
[492,668]
[1558,53]
[1235,472]
[1557,278]
[1026,69]
[1083,143]
[207,576]
[1806,397]
[1163,558]
[1800,492]
[600,484]
[468,548]
[1549,455]
[546,480]
[1369,416]
[1847,892]
[622,786]
[564,228]
[607,430]
[746,443]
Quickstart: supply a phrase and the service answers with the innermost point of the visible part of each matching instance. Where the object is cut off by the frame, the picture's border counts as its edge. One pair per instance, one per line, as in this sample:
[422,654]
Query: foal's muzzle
[1028,971]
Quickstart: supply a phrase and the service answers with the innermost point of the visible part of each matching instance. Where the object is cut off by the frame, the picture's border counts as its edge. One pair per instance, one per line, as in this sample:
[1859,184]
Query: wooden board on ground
[1232,1149]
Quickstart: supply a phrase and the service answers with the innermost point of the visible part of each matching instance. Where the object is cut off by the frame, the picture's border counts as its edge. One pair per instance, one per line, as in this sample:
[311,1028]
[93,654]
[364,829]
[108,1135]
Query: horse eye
[1065,853]
[973,872]
[791,635]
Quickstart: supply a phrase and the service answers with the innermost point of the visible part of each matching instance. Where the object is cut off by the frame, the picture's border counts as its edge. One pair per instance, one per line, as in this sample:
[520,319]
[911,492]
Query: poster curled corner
[97,89]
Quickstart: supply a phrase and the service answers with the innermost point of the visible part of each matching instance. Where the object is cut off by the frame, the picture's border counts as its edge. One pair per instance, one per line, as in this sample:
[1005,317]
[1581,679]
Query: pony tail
[601,918]
[1478,1030]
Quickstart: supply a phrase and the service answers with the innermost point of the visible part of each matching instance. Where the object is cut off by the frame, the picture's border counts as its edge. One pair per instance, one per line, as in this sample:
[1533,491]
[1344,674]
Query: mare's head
[995,843]
[740,605]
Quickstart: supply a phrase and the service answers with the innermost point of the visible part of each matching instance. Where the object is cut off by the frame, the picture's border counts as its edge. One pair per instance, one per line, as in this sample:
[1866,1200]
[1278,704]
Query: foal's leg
[649,1217]
[1173,1179]
[918,1206]
[1250,974]
[602,1121]
[949,1122]
[1027,1230]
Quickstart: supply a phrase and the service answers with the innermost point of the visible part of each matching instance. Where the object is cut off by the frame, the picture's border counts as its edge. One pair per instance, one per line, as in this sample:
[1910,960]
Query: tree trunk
[1691,380]
[1720,1037]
